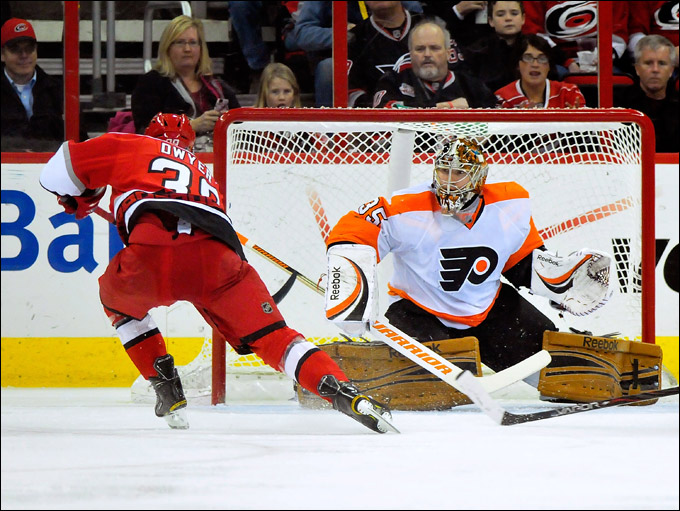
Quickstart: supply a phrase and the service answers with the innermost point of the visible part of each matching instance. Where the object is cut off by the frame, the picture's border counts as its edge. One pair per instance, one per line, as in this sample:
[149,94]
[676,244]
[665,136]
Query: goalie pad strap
[589,368]
[391,378]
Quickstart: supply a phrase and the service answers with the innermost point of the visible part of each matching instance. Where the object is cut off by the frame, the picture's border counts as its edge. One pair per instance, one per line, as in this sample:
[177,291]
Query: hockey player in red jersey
[180,245]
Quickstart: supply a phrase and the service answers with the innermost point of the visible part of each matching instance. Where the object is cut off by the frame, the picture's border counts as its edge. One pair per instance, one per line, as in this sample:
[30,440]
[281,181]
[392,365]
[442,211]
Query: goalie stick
[505,418]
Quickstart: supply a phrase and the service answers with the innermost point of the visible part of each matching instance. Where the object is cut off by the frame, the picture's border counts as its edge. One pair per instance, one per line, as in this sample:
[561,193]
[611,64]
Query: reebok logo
[547,260]
[335,284]
[600,343]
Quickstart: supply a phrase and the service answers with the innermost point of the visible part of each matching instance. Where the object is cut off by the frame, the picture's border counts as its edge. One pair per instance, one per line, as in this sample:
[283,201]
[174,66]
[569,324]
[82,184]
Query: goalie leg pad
[588,368]
[390,378]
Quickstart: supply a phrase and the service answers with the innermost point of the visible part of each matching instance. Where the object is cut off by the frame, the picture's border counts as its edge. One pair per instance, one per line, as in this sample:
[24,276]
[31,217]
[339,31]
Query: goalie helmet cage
[289,174]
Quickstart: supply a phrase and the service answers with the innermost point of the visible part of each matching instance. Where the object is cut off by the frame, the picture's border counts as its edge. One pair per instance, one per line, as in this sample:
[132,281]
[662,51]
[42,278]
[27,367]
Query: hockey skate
[349,400]
[170,401]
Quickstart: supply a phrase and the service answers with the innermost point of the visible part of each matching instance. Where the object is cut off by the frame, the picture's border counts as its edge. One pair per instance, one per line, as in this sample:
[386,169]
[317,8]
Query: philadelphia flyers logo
[572,20]
[466,263]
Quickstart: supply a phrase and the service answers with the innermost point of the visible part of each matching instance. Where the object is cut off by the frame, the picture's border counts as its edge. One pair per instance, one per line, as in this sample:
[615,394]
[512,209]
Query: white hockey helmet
[458,159]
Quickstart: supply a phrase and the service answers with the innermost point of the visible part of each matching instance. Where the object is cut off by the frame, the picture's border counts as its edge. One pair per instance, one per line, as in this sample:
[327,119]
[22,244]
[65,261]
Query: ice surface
[94,449]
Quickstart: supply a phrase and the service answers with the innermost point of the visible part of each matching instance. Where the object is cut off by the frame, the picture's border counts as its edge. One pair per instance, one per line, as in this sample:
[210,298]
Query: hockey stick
[417,352]
[505,418]
[278,296]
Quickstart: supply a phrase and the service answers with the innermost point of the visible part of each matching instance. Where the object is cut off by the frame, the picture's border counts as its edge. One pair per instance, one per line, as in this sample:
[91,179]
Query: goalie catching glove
[81,205]
[578,283]
[351,295]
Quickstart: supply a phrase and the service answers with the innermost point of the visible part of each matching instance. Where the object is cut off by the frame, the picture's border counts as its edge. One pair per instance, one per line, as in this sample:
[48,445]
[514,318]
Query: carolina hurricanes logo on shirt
[466,263]
[571,20]
[667,16]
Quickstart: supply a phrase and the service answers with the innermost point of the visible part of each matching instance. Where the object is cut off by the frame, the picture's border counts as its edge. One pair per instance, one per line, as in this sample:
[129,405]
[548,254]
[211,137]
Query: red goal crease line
[589,217]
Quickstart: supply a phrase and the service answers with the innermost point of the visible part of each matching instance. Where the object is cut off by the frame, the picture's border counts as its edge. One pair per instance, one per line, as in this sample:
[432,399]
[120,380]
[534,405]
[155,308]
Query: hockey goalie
[452,239]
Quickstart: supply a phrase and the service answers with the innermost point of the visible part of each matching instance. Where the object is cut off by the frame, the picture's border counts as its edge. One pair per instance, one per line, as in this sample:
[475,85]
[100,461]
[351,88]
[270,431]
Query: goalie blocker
[587,368]
[351,296]
[392,379]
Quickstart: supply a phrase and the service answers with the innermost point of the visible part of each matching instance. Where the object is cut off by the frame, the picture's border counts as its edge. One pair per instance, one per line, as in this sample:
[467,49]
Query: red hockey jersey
[557,95]
[145,174]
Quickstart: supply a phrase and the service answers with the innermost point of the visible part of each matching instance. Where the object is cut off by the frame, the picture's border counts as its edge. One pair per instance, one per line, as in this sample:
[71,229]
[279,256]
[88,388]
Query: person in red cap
[32,100]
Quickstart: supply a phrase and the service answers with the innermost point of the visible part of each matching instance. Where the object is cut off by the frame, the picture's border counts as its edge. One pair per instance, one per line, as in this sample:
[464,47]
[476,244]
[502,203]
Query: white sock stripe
[294,354]
[133,329]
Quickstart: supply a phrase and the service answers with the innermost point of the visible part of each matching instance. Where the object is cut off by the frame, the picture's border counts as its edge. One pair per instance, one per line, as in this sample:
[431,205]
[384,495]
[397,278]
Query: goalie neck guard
[459,173]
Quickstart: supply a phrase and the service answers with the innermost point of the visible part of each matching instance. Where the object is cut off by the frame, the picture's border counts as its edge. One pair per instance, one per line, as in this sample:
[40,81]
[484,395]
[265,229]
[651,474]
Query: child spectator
[490,58]
[278,88]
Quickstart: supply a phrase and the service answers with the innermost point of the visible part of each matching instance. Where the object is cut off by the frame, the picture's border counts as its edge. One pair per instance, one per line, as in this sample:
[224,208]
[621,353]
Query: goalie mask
[173,128]
[459,173]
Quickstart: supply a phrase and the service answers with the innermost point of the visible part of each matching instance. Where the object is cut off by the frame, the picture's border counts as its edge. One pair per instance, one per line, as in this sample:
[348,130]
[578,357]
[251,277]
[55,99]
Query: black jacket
[404,88]
[155,93]
[664,113]
[492,60]
[45,130]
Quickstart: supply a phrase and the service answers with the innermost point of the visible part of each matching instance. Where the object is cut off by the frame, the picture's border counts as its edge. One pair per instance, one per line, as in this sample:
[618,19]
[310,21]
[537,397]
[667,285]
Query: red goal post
[590,172]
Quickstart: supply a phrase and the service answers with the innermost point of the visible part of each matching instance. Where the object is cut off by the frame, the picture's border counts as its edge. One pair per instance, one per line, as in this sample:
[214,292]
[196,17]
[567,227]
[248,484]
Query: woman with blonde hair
[278,88]
[182,82]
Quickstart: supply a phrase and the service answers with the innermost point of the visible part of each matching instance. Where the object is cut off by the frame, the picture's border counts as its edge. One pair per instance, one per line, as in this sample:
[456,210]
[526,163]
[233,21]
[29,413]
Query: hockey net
[291,174]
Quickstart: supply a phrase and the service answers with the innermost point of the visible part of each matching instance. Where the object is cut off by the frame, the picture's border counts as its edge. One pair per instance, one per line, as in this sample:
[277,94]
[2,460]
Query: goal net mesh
[289,181]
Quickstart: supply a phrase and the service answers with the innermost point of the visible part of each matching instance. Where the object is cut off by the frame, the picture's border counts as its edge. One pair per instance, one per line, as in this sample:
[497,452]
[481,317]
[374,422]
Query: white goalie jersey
[449,268]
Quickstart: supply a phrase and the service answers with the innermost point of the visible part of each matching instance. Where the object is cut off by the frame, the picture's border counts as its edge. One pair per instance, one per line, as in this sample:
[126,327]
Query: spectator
[655,94]
[376,44]
[653,17]
[313,33]
[32,101]
[534,89]
[182,82]
[490,58]
[278,88]
[466,21]
[572,27]
[424,80]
